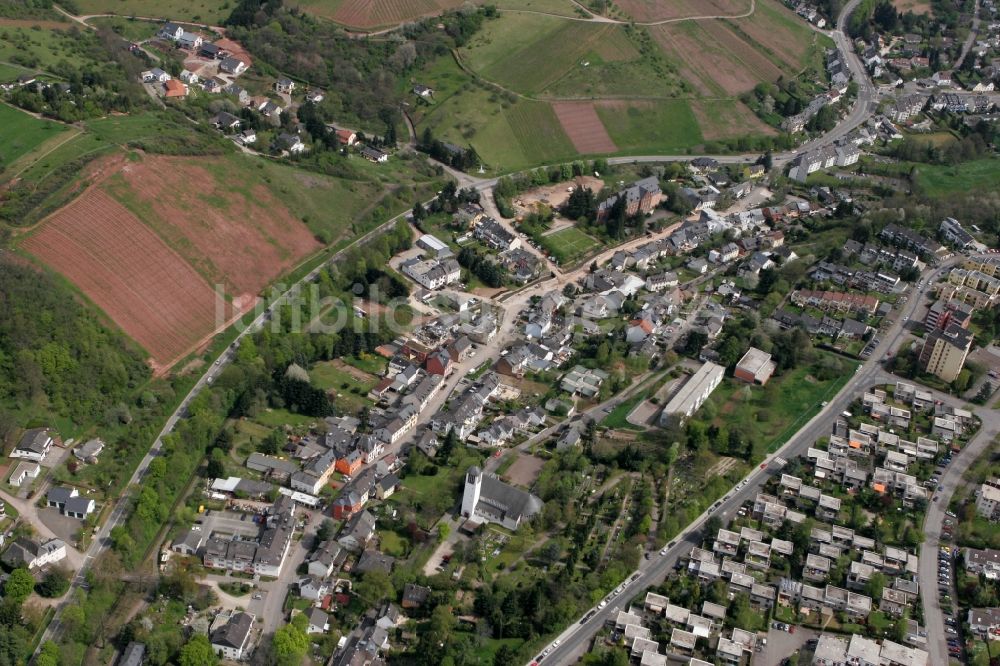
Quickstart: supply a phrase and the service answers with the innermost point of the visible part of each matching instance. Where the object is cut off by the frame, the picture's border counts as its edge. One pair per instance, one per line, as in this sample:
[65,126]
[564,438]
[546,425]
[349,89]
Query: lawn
[211,12]
[370,363]
[430,495]
[350,392]
[393,544]
[11,72]
[569,244]
[22,134]
[486,648]
[274,418]
[667,126]
[936,180]
[979,653]
[774,412]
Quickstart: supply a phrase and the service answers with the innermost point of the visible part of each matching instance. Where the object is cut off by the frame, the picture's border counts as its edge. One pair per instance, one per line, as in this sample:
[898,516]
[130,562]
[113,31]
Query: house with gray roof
[232,639]
[33,445]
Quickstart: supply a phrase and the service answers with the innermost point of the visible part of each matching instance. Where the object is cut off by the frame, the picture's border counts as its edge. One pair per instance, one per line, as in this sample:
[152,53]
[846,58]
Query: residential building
[495,235]
[24,472]
[231,65]
[944,351]
[25,552]
[232,639]
[953,232]
[33,445]
[988,500]
[640,199]
[985,622]
[583,381]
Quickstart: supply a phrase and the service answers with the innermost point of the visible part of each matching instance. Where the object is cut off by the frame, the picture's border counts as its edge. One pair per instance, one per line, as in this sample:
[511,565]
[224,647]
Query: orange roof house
[175,88]
[350,463]
[347,137]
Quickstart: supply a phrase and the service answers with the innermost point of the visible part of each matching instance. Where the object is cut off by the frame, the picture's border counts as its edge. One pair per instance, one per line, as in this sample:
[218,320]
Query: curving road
[654,571]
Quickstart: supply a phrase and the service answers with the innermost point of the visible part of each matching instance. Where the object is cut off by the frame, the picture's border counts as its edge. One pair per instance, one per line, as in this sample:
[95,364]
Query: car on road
[602,604]
[555,644]
[950,514]
[258,596]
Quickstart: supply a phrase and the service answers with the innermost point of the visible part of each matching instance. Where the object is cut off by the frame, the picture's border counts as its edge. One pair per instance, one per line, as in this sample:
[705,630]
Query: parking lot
[781,645]
[228,522]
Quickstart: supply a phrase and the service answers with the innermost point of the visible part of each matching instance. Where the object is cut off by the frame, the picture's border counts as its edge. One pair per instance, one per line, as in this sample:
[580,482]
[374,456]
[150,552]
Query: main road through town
[576,636]
[575,640]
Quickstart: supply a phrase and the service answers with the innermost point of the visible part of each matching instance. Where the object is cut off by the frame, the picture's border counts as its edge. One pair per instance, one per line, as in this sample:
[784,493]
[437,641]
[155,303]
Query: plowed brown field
[584,128]
[150,238]
[234,233]
[368,14]
[130,273]
[660,10]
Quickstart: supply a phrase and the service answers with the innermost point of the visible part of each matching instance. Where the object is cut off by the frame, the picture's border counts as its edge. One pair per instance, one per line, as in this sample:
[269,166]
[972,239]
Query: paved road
[937,644]
[971,38]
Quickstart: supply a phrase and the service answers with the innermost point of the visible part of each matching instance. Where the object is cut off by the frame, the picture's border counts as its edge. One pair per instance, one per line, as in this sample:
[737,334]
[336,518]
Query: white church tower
[473,486]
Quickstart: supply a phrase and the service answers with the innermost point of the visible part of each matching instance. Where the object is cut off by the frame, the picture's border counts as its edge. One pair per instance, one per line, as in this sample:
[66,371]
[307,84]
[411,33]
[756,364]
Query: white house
[33,445]
[232,639]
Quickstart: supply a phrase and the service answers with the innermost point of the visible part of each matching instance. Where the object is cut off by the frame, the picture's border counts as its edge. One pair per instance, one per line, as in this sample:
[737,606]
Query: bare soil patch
[357,373]
[915,6]
[525,470]
[584,127]
[235,49]
[555,196]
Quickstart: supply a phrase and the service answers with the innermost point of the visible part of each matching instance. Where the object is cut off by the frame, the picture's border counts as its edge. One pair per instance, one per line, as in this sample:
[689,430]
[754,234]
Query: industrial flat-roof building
[693,394]
[756,367]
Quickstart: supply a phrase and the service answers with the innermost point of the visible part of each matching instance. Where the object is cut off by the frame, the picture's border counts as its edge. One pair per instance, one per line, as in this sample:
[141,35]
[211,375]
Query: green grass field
[22,134]
[569,245]
[11,72]
[560,7]
[211,12]
[667,126]
[938,180]
[131,29]
[545,55]
[347,400]
[37,48]
[468,114]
